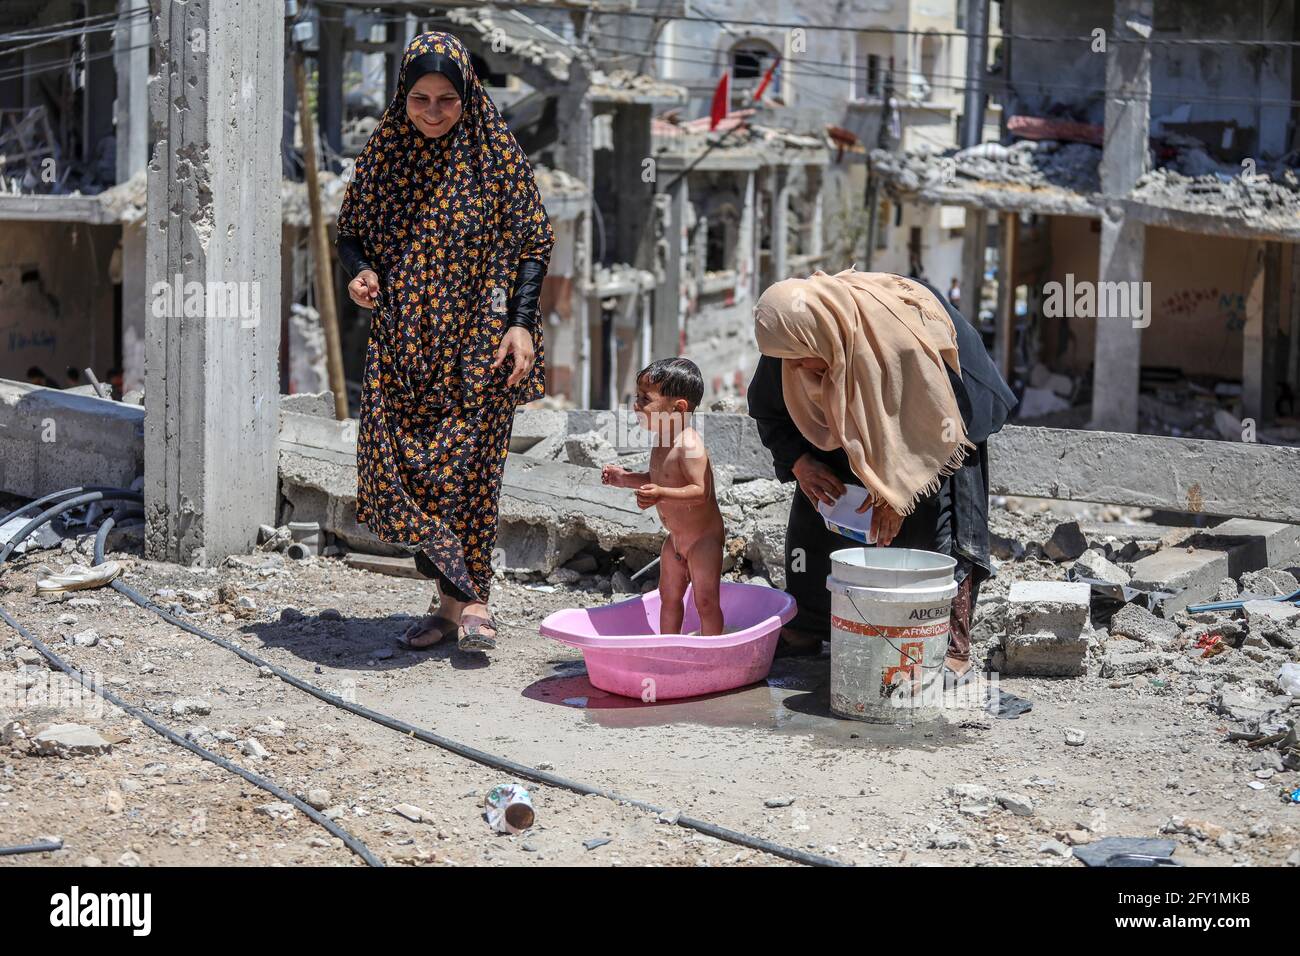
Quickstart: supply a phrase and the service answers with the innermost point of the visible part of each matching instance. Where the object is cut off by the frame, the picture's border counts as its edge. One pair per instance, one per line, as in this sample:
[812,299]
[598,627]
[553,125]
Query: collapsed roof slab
[1268,226]
[61,208]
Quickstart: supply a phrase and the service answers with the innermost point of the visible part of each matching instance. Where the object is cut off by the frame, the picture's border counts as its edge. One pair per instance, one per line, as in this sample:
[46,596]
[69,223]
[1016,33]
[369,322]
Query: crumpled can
[509,808]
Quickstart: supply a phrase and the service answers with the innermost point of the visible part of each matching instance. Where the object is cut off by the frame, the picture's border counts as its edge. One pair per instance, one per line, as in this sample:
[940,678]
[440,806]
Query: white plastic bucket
[890,611]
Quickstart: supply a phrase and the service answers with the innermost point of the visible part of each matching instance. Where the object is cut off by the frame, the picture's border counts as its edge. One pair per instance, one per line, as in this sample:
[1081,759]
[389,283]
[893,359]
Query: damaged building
[1130,172]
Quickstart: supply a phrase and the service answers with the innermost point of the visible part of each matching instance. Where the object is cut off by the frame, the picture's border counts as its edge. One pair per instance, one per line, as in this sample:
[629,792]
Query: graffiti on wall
[1231,306]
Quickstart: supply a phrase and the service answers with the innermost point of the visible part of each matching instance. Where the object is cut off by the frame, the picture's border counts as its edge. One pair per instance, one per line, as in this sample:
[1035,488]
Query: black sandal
[430,623]
[470,637]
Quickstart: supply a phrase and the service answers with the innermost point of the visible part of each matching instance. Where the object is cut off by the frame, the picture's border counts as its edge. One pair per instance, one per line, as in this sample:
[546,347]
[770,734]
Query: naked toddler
[680,484]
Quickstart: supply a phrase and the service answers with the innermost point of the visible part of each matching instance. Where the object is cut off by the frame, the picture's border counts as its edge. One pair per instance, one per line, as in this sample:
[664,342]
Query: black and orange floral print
[445,223]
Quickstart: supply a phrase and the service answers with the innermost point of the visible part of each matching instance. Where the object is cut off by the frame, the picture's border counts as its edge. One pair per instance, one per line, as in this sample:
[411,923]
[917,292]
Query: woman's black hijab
[445,222]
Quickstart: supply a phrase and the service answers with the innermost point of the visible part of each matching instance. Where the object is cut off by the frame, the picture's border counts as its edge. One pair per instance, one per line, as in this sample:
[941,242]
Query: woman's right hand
[816,480]
[364,289]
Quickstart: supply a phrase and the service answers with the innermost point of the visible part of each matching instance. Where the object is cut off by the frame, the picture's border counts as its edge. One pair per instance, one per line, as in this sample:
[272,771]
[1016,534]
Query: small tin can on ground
[509,808]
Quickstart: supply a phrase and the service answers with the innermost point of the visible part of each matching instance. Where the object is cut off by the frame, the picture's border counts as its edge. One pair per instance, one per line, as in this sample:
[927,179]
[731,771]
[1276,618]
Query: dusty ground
[862,793]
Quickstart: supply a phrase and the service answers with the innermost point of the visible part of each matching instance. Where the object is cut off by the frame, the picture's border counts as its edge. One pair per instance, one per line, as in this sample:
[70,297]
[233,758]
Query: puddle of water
[793,701]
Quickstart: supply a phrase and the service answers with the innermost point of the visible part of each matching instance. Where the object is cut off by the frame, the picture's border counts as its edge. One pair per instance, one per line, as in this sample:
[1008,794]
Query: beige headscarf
[886,399]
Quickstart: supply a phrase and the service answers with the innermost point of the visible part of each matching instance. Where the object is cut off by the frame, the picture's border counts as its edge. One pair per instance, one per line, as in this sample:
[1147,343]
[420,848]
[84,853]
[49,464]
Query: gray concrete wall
[51,440]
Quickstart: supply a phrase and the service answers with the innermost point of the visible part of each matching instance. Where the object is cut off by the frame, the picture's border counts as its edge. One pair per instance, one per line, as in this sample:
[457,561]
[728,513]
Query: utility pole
[329,318]
[883,141]
[975,234]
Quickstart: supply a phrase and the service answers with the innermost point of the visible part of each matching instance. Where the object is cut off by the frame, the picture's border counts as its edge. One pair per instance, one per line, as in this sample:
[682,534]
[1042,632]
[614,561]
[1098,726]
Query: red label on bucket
[895,631]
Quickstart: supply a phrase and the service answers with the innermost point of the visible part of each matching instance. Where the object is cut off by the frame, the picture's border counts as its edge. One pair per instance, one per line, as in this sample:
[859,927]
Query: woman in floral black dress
[445,235]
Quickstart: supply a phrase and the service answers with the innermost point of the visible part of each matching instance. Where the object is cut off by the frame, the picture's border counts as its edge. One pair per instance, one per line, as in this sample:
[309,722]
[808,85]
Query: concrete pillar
[135,306]
[780,223]
[634,239]
[747,243]
[670,305]
[329,83]
[131,108]
[1117,351]
[213,274]
[1259,337]
[816,183]
[974,238]
[399,34]
[1005,337]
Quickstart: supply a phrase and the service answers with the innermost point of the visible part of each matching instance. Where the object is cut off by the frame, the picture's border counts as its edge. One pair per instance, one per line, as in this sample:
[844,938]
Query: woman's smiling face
[433,106]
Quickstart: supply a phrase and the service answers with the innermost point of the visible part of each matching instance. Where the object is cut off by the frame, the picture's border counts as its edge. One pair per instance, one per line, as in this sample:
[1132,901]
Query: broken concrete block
[1271,613]
[1116,664]
[1193,572]
[1047,629]
[990,621]
[70,740]
[1093,564]
[532,425]
[1137,623]
[570,504]
[589,450]
[1269,582]
[1060,606]
[1066,543]
[1245,705]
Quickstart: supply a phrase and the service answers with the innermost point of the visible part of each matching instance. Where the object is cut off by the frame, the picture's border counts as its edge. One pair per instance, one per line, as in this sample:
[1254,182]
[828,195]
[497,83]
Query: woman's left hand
[517,343]
[885,522]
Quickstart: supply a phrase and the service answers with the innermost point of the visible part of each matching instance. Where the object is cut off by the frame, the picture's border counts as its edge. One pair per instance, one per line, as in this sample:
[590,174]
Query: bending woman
[873,379]
[443,231]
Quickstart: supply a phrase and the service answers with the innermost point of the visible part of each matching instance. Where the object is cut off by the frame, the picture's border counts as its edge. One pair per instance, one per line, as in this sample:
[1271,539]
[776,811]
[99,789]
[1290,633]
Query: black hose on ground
[45,846]
[55,496]
[351,842]
[463,750]
[59,507]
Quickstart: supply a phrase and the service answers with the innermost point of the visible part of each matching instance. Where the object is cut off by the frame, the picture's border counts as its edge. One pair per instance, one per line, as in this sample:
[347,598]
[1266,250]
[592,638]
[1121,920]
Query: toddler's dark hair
[676,378]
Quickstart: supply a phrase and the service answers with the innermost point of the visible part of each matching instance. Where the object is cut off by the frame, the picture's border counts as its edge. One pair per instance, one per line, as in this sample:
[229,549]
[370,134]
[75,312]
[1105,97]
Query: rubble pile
[1036,164]
[1243,664]
[1213,189]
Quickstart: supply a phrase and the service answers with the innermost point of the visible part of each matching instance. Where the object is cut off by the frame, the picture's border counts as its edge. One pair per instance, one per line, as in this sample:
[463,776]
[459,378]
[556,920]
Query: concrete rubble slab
[50,440]
[1193,572]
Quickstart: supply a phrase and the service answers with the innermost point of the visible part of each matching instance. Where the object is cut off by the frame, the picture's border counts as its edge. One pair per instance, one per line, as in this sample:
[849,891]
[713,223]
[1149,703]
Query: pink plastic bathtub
[626,654]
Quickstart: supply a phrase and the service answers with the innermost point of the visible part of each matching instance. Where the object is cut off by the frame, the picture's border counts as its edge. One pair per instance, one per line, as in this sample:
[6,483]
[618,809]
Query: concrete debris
[1093,564]
[590,450]
[70,740]
[1067,542]
[1037,402]
[1136,623]
[1048,633]
[1267,199]
[1269,582]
